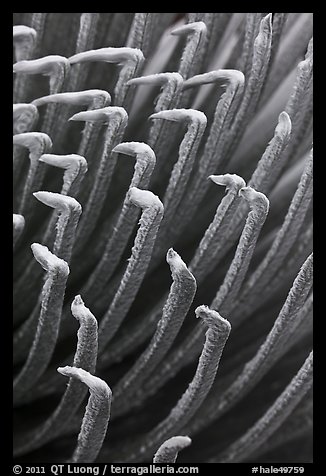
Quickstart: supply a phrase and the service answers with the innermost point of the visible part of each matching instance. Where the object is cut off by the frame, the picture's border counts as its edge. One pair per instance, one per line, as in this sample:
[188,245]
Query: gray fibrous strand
[131,60]
[150,220]
[212,153]
[196,123]
[291,48]
[146,29]
[37,144]
[25,116]
[168,451]
[302,80]
[168,99]
[273,418]
[216,24]
[48,324]
[191,57]
[75,168]
[23,40]
[171,84]
[54,66]
[85,358]
[204,258]
[281,245]
[96,417]
[144,166]
[217,333]
[69,211]
[175,309]
[18,226]
[298,424]
[92,98]
[254,83]
[244,62]
[85,41]
[116,118]
[259,206]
